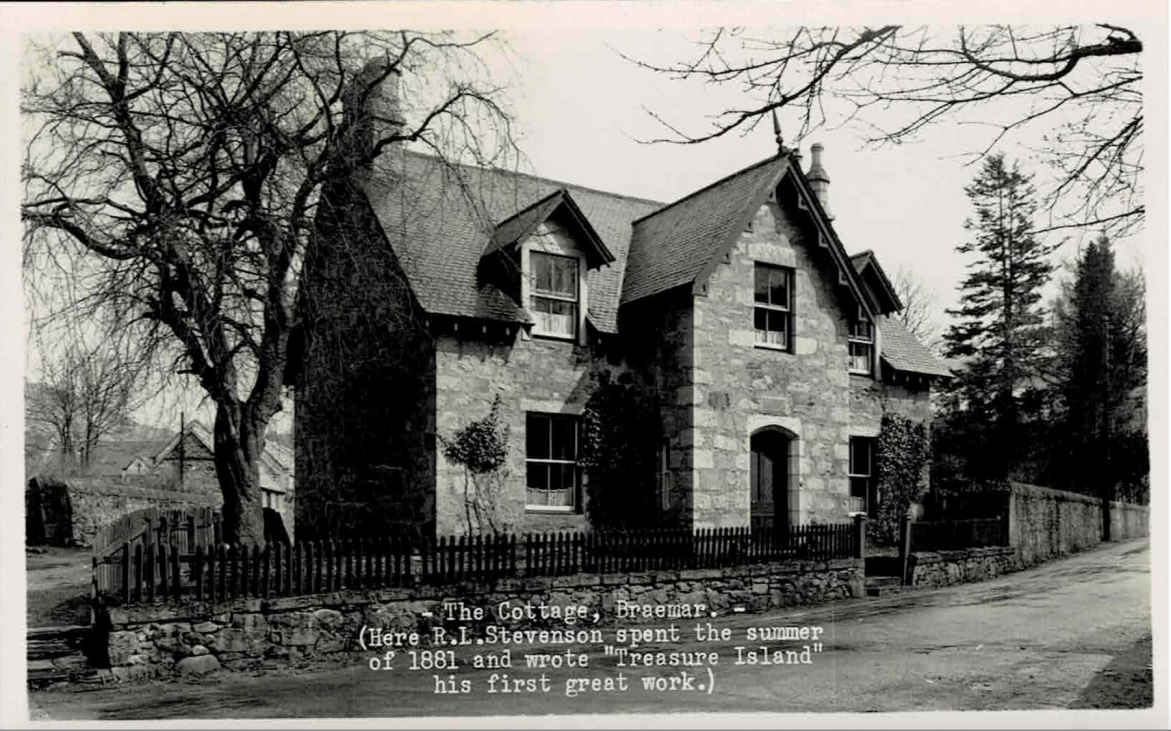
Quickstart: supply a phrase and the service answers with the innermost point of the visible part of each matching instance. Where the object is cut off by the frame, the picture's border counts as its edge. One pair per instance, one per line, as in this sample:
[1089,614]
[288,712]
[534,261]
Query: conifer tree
[1101,347]
[998,331]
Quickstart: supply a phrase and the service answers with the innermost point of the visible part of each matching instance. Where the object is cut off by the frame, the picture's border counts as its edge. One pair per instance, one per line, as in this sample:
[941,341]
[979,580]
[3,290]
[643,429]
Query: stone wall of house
[942,568]
[259,634]
[364,374]
[806,392]
[659,337]
[870,399]
[1046,523]
[529,374]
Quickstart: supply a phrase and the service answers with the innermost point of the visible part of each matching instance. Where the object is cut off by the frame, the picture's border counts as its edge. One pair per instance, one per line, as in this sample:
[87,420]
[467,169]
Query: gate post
[904,547]
[860,535]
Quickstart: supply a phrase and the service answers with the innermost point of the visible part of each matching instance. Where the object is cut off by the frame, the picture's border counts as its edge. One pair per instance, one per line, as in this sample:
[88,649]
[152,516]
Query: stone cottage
[767,353]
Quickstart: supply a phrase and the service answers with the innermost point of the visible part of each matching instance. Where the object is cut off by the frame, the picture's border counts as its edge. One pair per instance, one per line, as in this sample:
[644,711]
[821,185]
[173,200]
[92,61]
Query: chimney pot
[818,178]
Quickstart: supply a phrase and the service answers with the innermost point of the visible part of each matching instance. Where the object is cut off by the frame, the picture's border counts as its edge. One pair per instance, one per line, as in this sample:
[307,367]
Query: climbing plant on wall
[901,454]
[481,448]
[619,436]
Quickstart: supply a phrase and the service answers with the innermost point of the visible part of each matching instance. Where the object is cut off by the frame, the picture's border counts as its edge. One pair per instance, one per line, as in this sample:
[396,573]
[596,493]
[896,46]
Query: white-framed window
[554,294]
[551,470]
[772,313]
[270,499]
[861,343]
[862,473]
[665,475]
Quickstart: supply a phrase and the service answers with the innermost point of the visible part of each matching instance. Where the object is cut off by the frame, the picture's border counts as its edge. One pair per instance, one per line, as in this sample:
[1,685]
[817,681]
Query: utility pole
[182,446]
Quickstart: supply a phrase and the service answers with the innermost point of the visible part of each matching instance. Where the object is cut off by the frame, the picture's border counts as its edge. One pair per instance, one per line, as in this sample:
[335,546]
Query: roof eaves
[837,249]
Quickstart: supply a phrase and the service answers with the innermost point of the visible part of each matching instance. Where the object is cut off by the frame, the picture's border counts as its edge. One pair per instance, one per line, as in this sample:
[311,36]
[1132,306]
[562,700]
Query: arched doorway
[769,506]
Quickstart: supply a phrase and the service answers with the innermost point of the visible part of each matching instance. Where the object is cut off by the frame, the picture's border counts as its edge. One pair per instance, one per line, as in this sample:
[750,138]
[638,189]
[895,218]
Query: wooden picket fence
[162,571]
[145,530]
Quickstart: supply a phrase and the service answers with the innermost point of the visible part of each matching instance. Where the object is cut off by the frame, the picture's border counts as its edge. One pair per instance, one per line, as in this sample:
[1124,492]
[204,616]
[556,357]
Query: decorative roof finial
[781,149]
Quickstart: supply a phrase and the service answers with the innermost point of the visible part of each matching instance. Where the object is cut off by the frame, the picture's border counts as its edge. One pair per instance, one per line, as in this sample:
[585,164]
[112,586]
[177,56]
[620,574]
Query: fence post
[860,535]
[125,573]
[905,539]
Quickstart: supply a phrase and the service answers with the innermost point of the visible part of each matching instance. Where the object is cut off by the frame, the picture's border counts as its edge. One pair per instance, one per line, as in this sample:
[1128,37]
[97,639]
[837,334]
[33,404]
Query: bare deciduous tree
[87,388]
[1077,86]
[919,306]
[182,173]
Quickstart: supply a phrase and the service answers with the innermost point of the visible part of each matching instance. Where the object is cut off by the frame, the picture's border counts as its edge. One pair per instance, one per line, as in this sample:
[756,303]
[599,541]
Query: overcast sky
[581,110]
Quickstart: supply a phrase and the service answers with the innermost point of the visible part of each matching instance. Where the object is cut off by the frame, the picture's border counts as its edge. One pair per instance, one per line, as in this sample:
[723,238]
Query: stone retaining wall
[1046,523]
[943,568]
[257,634]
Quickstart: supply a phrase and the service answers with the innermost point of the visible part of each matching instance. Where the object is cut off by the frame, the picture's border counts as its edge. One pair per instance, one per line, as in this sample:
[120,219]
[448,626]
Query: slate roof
[904,352]
[864,259]
[439,219]
[674,245]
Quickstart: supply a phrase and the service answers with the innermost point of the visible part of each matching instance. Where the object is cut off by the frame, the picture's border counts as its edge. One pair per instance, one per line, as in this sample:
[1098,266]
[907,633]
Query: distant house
[125,474]
[770,353]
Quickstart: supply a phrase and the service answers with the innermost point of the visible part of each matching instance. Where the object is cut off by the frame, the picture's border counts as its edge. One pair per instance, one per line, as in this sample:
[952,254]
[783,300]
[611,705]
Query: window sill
[768,346]
[554,336]
[551,509]
[863,374]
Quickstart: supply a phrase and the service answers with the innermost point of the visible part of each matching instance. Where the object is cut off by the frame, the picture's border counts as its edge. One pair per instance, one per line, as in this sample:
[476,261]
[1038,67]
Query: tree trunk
[239,442]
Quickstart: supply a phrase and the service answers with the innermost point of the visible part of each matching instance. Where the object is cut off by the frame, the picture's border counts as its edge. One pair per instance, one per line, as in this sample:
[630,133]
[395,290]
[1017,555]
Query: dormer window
[861,339]
[554,294]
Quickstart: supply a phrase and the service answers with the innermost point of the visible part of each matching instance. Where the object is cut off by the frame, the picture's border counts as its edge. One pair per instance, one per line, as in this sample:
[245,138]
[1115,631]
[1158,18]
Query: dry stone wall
[259,634]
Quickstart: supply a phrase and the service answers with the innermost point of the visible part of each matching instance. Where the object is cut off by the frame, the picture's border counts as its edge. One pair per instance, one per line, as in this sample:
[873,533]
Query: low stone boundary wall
[943,568]
[257,634]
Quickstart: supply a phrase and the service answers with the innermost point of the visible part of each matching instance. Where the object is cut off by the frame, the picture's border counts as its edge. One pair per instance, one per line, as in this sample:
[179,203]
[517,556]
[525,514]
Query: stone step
[883,585]
[55,654]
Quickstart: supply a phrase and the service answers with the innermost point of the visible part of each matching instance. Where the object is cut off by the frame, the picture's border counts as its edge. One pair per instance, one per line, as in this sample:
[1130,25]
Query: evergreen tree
[1100,339]
[999,327]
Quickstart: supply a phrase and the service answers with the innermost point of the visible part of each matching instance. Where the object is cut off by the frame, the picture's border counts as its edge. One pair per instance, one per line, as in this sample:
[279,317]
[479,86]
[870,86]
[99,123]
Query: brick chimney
[818,179]
[381,115]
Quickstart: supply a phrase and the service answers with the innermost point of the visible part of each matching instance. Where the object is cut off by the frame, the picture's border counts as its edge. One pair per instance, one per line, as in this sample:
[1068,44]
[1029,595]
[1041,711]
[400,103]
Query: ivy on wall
[619,438]
[481,448]
[901,454]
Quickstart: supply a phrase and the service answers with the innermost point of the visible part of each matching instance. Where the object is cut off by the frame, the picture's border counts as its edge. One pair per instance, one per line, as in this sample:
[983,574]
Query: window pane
[779,287]
[860,357]
[761,284]
[760,322]
[554,316]
[536,437]
[561,498]
[565,476]
[859,456]
[778,328]
[542,271]
[538,475]
[564,439]
[860,329]
[554,274]
[537,497]
[858,486]
[565,276]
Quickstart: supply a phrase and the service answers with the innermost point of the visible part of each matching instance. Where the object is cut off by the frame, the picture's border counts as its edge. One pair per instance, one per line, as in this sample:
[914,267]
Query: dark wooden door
[769,480]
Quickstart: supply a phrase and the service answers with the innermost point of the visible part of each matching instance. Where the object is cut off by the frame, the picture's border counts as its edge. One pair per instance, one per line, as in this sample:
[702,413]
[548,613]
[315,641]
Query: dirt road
[1070,634]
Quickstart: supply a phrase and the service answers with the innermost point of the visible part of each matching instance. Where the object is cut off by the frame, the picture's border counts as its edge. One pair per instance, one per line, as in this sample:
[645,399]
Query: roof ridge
[531,176]
[707,187]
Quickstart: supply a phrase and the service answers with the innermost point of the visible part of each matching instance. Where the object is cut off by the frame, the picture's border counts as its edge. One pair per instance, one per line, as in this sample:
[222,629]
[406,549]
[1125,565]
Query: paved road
[1073,633]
